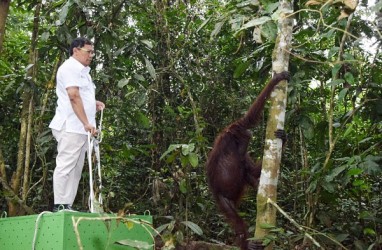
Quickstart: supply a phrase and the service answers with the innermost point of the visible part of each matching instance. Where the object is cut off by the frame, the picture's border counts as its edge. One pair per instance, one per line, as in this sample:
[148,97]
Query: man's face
[84,55]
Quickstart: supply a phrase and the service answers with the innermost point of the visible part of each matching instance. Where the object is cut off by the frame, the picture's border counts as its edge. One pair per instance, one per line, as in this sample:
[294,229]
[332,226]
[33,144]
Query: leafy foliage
[173,74]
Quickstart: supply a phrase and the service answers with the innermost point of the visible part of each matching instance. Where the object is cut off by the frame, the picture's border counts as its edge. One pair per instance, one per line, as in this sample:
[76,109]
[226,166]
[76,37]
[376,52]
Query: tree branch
[10,196]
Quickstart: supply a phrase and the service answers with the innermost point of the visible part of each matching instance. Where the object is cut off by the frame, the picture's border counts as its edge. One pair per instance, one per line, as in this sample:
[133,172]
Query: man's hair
[79,42]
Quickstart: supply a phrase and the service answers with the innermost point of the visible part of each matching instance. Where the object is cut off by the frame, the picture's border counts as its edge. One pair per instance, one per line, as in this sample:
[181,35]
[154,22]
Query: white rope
[98,158]
[93,143]
[36,228]
[99,135]
[90,149]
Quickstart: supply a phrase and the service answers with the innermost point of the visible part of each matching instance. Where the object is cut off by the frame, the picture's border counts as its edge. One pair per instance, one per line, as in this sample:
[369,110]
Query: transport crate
[58,231]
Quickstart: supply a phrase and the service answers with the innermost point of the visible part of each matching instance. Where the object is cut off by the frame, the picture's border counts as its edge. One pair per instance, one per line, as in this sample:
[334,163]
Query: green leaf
[328,187]
[135,244]
[161,228]
[193,159]
[203,24]
[184,160]
[183,186]
[45,36]
[144,121]
[241,69]
[342,94]
[271,7]
[256,22]
[63,13]
[366,215]
[269,31]
[195,228]
[171,148]
[217,28]
[139,77]
[150,68]
[348,130]
[349,78]
[373,158]
[312,187]
[277,230]
[336,82]
[341,237]
[188,148]
[334,173]
[148,43]
[149,53]
[267,226]
[358,183]
[247,3]
[332,52]
[370,166]
[306,124]
[354,171]
[369,231]
[335,69]
[123,82]
[365,140]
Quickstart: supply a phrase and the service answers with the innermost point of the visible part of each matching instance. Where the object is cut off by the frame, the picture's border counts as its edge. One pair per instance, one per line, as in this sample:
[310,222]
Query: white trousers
[70,159]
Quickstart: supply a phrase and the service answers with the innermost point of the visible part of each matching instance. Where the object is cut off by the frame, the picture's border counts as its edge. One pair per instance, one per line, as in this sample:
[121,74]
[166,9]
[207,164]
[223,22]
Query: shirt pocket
[85,82]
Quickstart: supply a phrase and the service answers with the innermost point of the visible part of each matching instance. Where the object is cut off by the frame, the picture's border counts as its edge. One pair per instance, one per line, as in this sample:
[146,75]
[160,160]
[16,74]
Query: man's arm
[78,108]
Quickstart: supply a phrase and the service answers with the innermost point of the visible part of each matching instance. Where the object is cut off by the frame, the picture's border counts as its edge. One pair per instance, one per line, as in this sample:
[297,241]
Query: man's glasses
[87,50]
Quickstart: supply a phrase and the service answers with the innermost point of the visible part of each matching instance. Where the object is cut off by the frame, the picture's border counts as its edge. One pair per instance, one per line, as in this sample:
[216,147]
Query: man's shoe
[63,207]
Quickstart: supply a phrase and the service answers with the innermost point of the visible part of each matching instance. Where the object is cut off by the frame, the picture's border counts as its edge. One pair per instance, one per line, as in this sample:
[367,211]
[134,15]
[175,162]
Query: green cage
[75,230]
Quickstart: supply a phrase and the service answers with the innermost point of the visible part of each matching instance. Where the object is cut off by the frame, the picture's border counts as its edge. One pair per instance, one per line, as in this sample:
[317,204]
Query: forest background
[172,75]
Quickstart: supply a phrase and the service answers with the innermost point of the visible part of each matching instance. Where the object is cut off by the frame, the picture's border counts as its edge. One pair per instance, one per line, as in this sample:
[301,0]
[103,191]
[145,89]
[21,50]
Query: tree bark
[22,173]
[160,91]
[2,167]
[266,214]
[4,10]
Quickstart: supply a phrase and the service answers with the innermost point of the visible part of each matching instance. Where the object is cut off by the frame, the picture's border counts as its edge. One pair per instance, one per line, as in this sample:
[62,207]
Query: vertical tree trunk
[28,147]
[266,214]
[4,10]
[159,90]
[156,96]
[24,146]
[3,176]
[49,86]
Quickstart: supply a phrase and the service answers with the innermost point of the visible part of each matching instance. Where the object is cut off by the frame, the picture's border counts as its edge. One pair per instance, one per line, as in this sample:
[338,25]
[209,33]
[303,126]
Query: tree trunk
[3,175]
[28,147]
[159,92]
[266,214]
[27,111]
[49,87]
[4,10]
[163,79]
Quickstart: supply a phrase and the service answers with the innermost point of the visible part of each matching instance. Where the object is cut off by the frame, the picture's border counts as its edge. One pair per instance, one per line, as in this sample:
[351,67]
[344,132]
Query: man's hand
[90,128]
[100,105]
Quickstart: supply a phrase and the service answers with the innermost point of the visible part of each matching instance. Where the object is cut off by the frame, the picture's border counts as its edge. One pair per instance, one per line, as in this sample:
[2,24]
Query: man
[73,120]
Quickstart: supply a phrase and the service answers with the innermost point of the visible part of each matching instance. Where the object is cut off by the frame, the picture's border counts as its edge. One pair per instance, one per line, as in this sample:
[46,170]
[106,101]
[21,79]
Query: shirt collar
[84,69]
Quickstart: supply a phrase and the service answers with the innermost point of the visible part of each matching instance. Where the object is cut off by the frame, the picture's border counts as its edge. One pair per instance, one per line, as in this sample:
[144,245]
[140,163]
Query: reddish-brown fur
[230,168]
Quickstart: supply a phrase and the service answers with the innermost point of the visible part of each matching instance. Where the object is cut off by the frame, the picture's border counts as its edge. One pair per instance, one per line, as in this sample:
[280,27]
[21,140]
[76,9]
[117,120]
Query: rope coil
[93,143]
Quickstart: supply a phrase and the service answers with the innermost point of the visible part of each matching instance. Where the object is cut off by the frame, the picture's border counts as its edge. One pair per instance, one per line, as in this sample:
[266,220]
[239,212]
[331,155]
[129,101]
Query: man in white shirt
[73,120]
